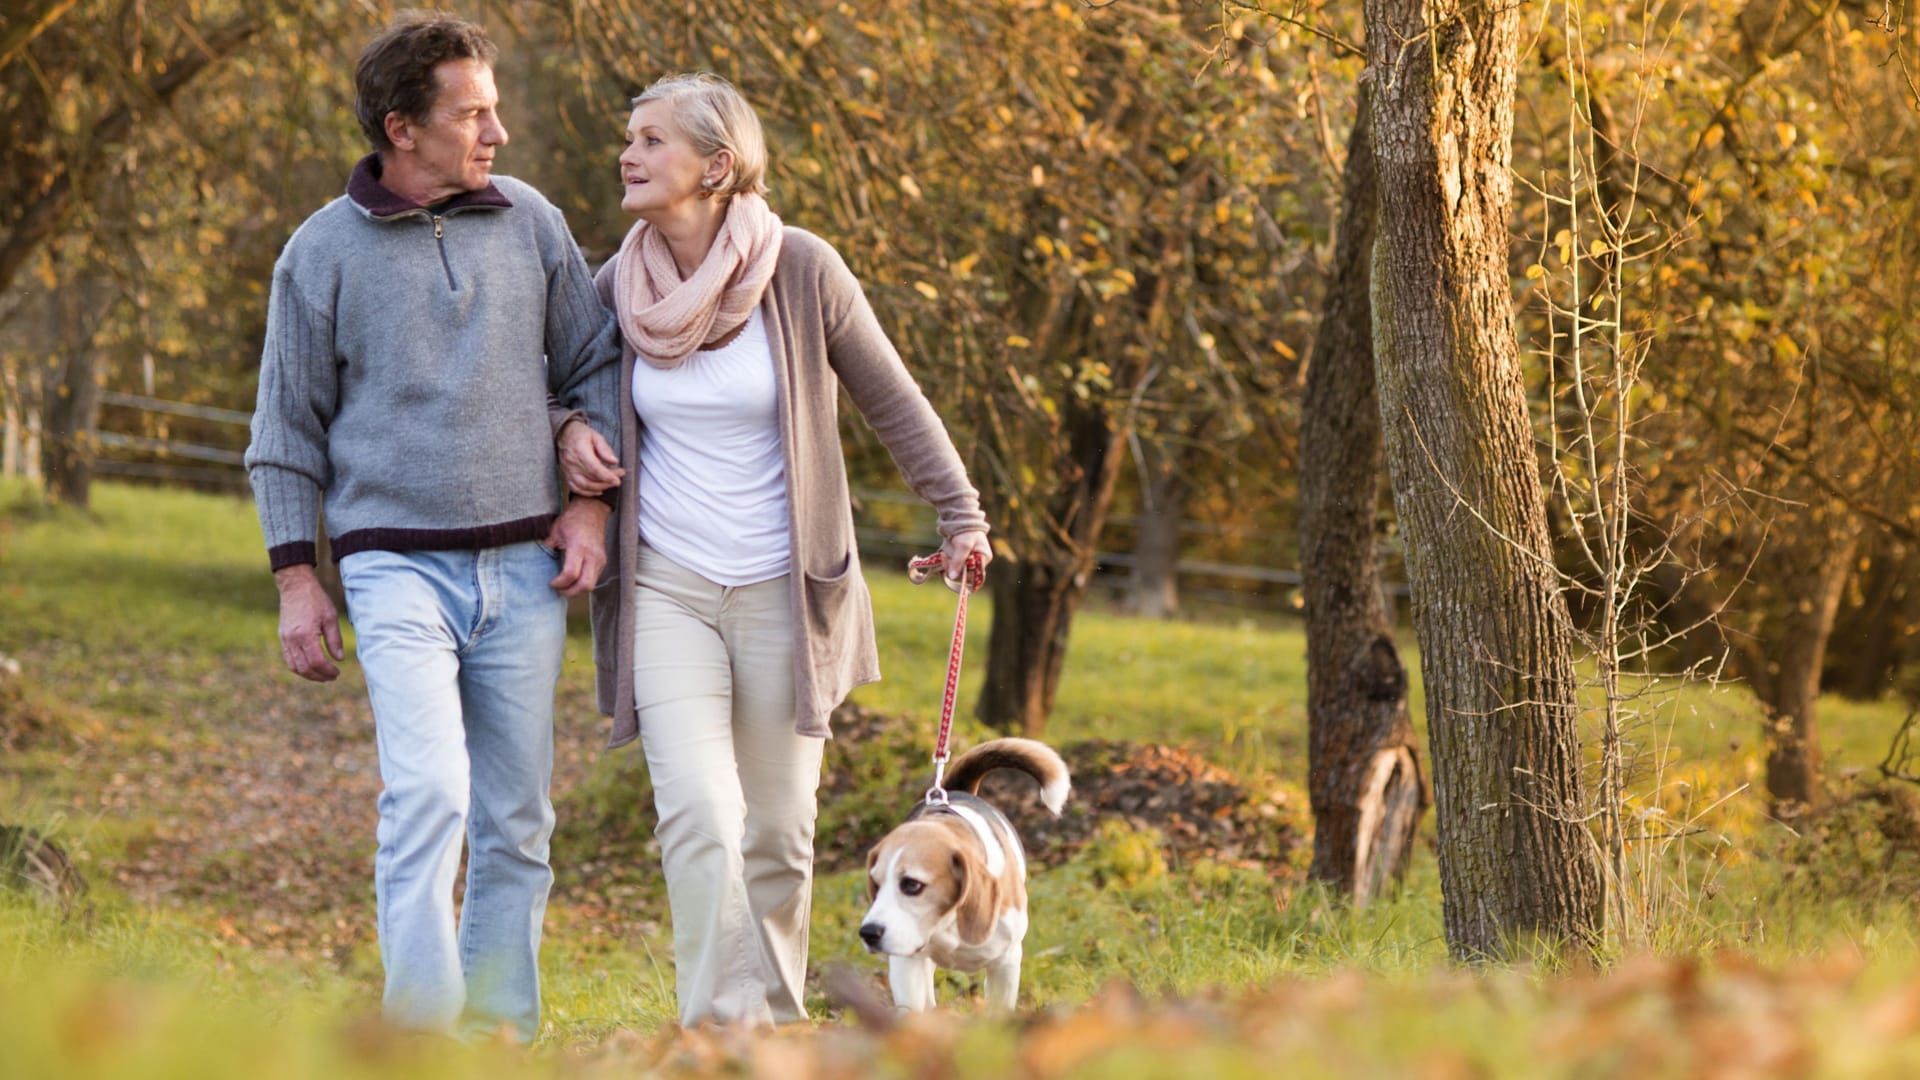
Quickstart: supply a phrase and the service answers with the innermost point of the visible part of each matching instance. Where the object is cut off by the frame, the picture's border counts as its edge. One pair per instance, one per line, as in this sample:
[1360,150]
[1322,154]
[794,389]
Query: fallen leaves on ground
[273,819]
[1197,810]
[1719,1019]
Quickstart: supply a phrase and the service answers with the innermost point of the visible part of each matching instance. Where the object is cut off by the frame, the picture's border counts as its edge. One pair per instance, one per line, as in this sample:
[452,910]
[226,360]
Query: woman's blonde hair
[715,117]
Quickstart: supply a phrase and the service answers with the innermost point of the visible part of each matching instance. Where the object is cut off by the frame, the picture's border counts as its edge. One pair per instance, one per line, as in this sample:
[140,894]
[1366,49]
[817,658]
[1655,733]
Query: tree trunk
[20,414]
[1034,598]
[1516,865]
[1786,675]
[72,421]
[1032,613]
[1363,771]
[1877,634]
[70,391]
[1153,588]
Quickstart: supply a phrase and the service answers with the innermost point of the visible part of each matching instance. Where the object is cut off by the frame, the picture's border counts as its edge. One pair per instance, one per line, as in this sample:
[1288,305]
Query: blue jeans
[461,651]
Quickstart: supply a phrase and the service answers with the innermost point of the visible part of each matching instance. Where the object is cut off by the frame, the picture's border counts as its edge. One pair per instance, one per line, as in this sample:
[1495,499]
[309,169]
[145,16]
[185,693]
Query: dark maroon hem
[474,539]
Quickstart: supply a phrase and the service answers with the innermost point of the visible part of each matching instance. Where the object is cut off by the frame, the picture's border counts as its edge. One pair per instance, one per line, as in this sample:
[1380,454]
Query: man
[416,331]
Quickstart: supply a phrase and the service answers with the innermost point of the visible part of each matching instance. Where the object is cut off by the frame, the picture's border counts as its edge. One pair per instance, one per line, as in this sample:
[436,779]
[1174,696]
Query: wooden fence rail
[221,467]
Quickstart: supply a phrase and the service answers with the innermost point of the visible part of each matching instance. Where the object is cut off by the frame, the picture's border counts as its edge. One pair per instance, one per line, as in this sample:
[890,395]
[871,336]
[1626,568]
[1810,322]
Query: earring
[708,187]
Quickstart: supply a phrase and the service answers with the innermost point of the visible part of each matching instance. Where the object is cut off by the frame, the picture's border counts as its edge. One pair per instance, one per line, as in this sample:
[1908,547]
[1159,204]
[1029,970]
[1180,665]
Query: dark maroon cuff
[298,553]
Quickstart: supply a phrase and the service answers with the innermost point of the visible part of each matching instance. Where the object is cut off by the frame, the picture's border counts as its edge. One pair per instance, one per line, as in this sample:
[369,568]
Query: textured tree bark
[69,430]
[1034,599]
[1363,771]
[1876,630]
[70,402]
[20,415]
[1516,866]
[1786,674]
[1153,588]
[1033,607]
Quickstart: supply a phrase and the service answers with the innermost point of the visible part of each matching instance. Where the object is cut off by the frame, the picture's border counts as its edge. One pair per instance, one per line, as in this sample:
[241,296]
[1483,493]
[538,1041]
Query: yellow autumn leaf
[1536,272]
[1018,341]
[926,290]
[1038,176]
[907,185]
[1713,137]
[964,268]
[1786,133]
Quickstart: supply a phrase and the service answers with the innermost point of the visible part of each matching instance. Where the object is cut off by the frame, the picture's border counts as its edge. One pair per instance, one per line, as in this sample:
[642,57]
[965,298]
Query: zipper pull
[437,234]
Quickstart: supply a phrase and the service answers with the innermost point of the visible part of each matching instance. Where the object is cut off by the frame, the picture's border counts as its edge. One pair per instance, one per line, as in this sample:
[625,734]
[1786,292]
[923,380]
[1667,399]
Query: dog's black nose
[871,933]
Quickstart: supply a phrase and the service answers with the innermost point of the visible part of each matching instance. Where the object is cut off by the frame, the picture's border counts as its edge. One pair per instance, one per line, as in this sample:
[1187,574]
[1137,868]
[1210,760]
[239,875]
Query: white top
[713,475]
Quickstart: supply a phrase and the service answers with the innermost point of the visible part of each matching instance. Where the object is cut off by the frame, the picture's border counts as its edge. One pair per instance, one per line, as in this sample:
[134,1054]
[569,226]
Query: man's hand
[957,547]
[309,625]
[587,461]
[580,534]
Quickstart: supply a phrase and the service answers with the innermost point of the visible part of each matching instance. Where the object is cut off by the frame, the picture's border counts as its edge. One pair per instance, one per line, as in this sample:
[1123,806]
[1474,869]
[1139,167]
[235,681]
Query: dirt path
[266,812]
[261,804]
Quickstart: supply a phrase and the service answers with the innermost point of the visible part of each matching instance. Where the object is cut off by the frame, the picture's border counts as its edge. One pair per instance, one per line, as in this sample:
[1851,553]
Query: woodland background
[1565,346]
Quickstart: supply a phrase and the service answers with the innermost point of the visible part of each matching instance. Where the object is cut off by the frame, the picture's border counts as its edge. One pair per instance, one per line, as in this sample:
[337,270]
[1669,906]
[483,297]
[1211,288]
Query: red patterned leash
[918,571]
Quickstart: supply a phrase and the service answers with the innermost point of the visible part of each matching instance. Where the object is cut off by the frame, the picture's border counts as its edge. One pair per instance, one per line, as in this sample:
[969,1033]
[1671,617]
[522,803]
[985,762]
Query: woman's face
[660,169]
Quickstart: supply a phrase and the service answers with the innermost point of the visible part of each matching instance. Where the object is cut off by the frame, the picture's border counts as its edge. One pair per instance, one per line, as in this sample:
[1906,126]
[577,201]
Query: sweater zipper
[440,239]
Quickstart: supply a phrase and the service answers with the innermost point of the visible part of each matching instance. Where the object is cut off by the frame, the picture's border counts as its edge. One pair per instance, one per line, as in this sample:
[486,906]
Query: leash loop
[918,571]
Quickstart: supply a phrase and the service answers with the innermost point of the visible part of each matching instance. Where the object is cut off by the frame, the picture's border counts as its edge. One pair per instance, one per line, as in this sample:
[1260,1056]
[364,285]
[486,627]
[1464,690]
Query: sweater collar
[368,193]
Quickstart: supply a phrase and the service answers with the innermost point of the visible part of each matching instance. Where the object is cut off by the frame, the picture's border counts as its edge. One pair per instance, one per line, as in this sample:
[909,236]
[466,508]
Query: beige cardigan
[823,336]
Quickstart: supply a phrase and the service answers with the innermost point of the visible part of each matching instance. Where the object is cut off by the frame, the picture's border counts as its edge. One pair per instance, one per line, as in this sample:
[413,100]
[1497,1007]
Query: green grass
[146,630]
[1119,681]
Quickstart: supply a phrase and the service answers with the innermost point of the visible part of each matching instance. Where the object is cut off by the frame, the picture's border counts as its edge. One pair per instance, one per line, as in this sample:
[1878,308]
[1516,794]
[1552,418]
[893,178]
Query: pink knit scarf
[667,318]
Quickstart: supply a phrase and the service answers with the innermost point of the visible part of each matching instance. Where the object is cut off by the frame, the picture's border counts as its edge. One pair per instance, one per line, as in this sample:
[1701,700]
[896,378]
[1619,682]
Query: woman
[737,618]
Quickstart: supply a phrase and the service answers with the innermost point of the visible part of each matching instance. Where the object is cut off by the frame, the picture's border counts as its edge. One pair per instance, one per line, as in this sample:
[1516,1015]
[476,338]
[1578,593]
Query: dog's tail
[1036,759]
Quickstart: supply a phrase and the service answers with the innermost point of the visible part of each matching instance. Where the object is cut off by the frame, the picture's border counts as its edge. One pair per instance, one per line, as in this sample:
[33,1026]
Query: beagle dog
[948,887]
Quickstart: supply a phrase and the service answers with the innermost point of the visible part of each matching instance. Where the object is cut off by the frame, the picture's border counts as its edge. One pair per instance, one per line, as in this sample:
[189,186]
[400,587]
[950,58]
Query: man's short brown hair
[395,73]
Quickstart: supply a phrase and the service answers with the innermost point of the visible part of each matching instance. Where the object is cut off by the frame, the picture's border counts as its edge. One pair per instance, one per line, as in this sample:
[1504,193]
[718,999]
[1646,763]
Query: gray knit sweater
[409,359]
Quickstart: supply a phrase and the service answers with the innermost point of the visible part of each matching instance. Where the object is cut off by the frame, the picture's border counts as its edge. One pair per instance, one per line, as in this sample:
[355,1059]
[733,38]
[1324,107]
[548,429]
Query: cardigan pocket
[834,605]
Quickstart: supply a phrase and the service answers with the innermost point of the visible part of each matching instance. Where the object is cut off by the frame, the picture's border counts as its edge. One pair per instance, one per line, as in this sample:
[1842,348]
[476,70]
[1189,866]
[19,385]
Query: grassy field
[222,814]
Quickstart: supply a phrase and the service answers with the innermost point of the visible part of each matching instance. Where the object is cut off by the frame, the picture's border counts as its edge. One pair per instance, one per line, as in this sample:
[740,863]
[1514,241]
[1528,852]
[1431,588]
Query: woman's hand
[588,462]
[957,548]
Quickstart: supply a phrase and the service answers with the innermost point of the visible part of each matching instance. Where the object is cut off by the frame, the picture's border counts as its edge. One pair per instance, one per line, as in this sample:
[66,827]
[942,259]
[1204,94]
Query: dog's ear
[873,887]
[978,905]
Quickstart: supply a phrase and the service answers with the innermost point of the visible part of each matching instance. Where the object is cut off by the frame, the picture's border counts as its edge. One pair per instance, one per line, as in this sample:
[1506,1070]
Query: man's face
[453,151]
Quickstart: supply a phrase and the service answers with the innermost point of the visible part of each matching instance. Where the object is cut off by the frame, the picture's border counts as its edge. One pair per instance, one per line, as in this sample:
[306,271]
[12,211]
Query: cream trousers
[734,788]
